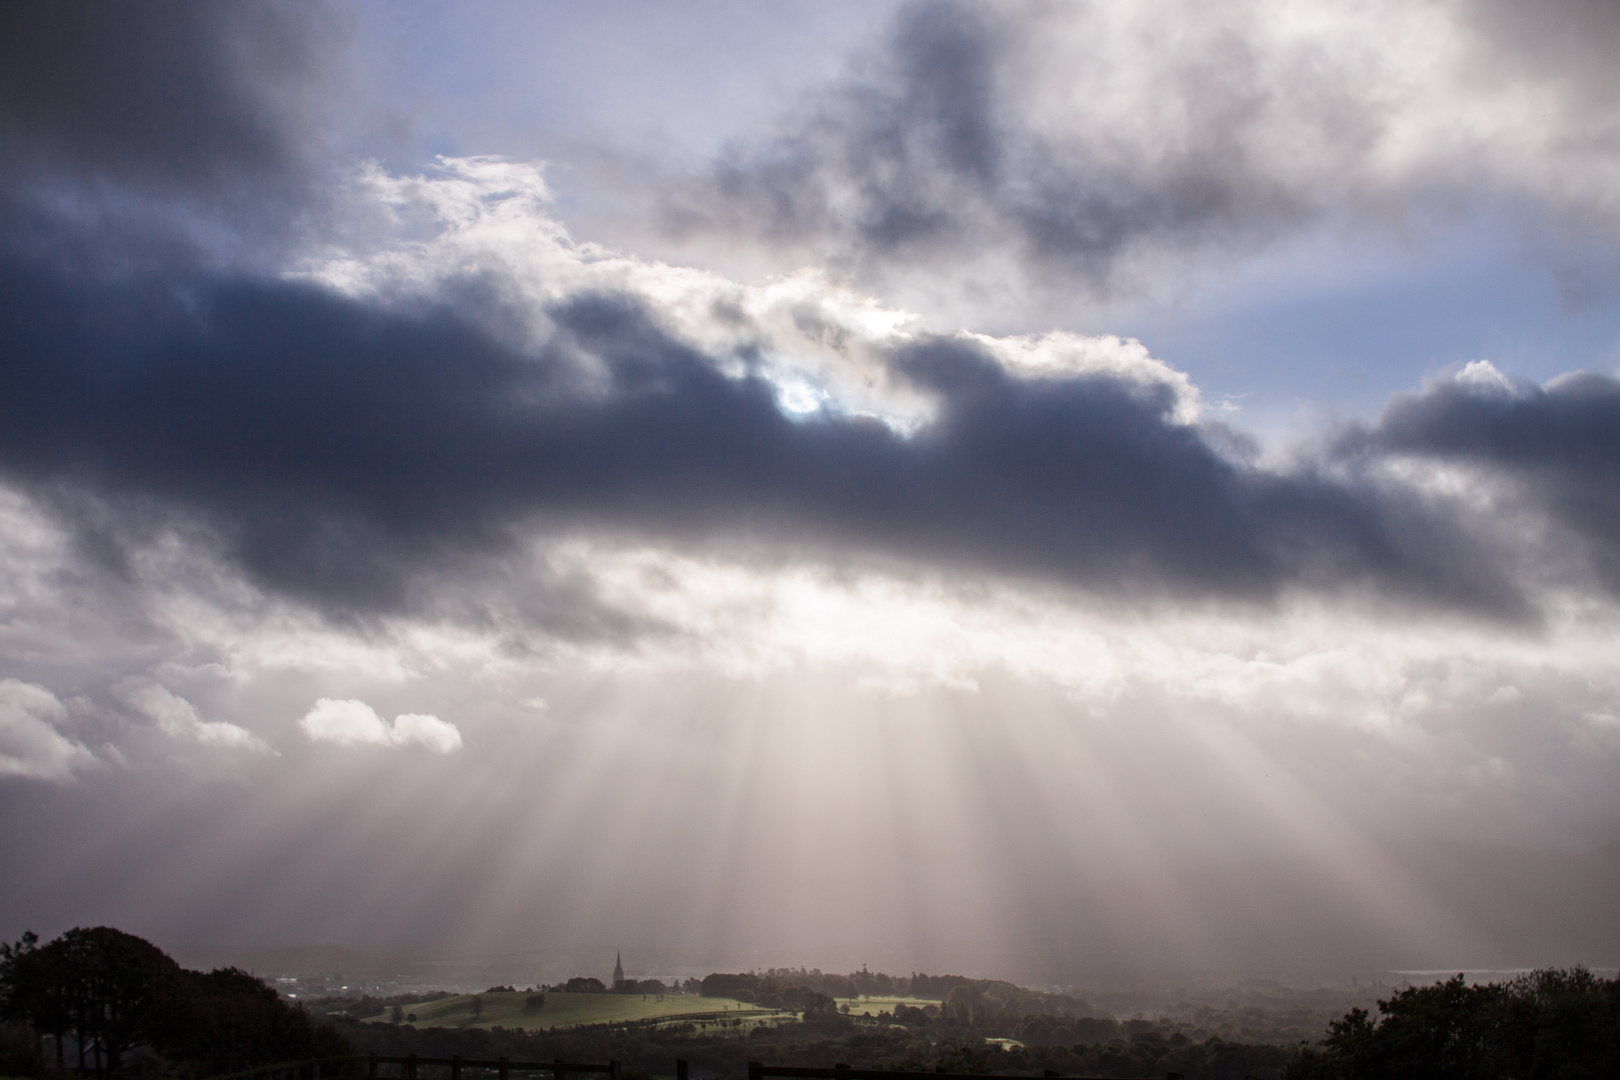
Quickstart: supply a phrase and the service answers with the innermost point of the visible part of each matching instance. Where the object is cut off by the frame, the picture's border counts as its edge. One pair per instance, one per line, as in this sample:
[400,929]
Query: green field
[566,1010]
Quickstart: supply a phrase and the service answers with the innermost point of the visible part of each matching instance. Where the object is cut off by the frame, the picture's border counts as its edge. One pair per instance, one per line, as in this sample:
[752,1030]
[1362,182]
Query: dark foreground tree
[107,987]
[115,992]
[227,1020]
[29,996]
[1557,1025]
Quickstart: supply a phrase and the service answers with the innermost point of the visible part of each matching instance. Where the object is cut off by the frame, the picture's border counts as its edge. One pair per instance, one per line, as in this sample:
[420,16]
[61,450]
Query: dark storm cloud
[1073,142]
[178,93]
[1561,441]
[341,451]
[349,452]
[1569,40]
[932,153]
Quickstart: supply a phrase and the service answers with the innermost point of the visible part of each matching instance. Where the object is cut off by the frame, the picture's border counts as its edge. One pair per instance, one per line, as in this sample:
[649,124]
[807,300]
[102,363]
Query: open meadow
[511,1010]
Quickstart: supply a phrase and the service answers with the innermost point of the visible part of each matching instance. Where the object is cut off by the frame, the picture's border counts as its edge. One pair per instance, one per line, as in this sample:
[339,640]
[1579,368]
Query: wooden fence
[409,1064]
[757,1071]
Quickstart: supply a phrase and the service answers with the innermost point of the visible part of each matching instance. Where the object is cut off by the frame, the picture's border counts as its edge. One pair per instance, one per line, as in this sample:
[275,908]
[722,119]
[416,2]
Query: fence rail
[757,1071]
[317,1068]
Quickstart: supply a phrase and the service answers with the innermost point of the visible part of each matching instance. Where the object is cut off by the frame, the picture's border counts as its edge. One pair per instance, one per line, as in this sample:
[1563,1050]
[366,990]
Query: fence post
[756,1070]
[557,1071]
[503,1068]
[455,1067]
[680,1069]
[371,1069]
[613,1069]
[410,1067]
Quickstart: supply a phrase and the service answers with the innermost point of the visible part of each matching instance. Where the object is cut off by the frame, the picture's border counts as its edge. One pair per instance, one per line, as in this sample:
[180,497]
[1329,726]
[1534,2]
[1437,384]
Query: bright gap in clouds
[1335,327]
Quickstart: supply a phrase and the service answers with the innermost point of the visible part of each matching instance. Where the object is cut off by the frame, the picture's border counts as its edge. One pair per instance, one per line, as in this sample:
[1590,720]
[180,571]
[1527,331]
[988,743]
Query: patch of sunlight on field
[567,1010]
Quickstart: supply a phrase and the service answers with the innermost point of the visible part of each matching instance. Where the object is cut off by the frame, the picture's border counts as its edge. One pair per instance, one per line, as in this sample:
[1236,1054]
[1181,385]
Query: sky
[1058,491]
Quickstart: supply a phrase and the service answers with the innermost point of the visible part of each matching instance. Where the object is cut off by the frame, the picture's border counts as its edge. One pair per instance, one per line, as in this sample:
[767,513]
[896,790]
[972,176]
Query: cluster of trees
[1042,1030]
[989,1005]
[1009,998]
[108,995]
[914,1016]
[994,1004]
[770,991]
[1561,1024]
[580,984]
[975,1002]
[647,1050]
[1554,1024]
[1145,1054]
[855,984]
[639,986]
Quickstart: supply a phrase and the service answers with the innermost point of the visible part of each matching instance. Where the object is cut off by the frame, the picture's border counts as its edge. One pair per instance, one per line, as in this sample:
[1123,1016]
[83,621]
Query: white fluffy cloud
[823,344]
[349,722]
[30,744]
[178,718]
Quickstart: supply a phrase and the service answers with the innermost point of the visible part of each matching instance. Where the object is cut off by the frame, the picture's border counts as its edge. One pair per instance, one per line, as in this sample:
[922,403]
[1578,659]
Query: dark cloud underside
[175,92]
[342,448]
[1562,441]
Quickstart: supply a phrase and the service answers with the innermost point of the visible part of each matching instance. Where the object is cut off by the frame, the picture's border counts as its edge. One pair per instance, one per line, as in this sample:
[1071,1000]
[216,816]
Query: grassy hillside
[566,1010]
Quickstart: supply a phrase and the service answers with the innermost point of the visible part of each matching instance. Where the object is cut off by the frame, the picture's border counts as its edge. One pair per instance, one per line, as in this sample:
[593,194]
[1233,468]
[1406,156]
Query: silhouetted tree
[227,1020]
[1563,1024]
[116,992]
[580,984]
[32,991]
[118,988]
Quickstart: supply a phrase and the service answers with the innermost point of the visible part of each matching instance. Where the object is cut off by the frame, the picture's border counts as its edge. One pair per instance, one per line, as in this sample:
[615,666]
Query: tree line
[1558,1025]
[113,1004]
[983,1002]
[822,1039]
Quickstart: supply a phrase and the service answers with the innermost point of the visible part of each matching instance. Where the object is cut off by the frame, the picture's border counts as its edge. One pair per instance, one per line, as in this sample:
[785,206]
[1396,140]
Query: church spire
[618,968]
